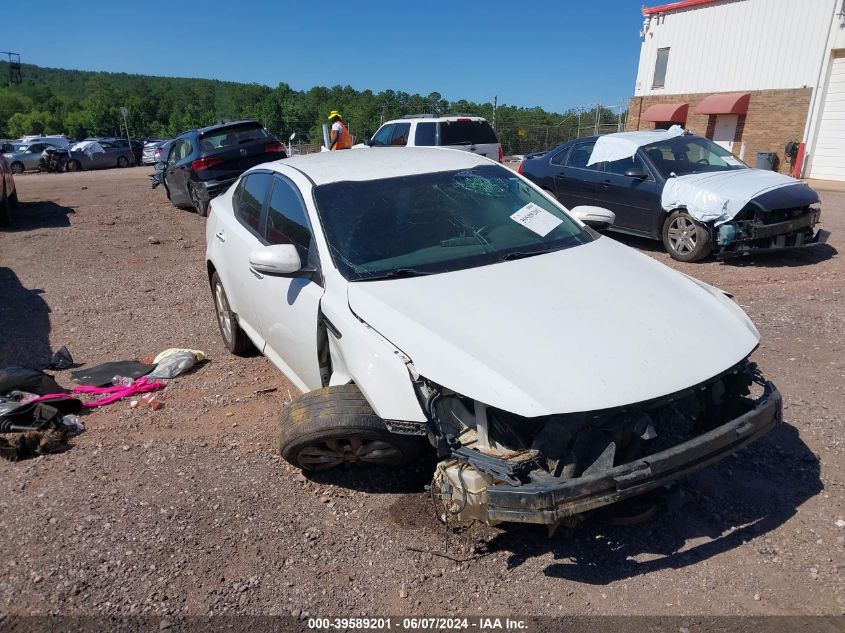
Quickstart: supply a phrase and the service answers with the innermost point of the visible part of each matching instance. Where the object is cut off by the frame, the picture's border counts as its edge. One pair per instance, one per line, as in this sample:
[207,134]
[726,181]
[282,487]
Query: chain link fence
[518,140]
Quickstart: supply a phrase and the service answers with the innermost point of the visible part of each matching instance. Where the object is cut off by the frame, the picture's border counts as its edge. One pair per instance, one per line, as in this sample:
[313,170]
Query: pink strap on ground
[118,392]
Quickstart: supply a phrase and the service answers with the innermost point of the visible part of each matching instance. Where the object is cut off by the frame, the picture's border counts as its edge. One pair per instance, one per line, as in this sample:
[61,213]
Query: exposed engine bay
[532,464]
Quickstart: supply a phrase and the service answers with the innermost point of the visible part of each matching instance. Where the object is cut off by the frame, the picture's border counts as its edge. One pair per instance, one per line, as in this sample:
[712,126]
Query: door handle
[220,236]
[257,274]
[605,184]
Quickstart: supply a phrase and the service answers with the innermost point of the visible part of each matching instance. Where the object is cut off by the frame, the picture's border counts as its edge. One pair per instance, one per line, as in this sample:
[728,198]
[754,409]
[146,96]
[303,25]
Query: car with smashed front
[439,301]
[683,189]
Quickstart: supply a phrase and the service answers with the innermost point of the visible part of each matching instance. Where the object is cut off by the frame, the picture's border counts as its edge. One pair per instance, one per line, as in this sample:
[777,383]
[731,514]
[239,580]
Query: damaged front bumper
[571,464]
[549,501]
[742,237]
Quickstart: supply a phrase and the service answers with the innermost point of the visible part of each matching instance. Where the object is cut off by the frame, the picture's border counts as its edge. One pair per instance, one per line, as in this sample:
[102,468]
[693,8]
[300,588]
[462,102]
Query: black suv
[203,163]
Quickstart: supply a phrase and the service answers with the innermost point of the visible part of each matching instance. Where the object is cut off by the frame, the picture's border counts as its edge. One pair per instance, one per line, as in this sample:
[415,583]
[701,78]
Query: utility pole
[124,112]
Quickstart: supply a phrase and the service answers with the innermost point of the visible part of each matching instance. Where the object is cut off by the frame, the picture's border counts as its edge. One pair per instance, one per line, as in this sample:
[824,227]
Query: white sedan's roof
[374,163]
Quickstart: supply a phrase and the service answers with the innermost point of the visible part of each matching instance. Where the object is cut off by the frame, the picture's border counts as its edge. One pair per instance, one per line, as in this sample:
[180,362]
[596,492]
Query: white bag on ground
[173,365]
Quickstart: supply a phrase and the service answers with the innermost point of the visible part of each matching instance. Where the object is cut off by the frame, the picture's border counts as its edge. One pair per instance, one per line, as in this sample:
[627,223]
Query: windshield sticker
[733,162]
[536,219]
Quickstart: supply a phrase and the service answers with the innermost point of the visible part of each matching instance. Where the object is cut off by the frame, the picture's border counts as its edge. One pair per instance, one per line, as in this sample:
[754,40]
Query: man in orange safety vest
[339,137]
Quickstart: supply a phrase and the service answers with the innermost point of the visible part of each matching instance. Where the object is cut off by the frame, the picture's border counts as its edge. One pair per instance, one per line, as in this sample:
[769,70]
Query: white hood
[587,328]
[719,196]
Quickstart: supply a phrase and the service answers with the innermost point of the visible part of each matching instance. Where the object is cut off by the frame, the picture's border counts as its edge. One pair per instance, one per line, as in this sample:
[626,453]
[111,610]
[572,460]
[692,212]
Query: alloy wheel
[350,450]
[683,235]
[224,315]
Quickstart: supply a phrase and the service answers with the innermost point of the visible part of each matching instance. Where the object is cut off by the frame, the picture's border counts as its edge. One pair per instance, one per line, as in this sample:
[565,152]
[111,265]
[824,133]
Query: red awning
[675,6]
[728,103]
[671,112]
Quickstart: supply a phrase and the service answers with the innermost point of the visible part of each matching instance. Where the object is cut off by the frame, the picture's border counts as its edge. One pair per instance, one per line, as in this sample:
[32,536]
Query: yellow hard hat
[333,114]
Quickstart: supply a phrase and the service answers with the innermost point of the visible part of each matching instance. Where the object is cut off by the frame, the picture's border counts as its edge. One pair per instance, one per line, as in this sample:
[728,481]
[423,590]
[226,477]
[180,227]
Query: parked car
[8,192]
[58,140]
[98,154]
[682,189]
[203,163]
[136,145]
[465,132]
[25,157]
[445,297]
[148,156]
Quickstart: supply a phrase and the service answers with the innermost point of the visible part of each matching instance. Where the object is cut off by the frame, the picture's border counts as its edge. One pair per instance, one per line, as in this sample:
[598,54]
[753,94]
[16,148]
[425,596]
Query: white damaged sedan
[436,295]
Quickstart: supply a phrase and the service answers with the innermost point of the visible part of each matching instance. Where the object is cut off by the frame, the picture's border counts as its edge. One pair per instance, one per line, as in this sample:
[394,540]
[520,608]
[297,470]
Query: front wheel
[333,426]
[17,167]
[73,165]
[122,162]
[684,238]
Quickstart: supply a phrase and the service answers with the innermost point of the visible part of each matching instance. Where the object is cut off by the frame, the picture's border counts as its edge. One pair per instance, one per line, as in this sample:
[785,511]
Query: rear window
[467,132]
[232,137]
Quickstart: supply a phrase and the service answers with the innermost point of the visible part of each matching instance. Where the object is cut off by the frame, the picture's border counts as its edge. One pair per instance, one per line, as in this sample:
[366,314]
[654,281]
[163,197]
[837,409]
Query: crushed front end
[496,466]
[780,219]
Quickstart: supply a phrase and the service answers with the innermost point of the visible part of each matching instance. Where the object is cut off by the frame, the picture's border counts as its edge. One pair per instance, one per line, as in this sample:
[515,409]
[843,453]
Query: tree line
[83,103]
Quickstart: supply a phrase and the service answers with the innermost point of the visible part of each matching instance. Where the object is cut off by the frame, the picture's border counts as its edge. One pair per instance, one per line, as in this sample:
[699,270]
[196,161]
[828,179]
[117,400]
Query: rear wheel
[200,205]
[122,162]
[332,426]
[17,167]
[233,336]
[73,165]
[684,238]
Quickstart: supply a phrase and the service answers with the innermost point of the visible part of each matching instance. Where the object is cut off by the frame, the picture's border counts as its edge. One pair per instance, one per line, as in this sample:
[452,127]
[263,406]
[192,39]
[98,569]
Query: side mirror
[368,142]
[160,166]
[637,172]
[277,259]
[597,218]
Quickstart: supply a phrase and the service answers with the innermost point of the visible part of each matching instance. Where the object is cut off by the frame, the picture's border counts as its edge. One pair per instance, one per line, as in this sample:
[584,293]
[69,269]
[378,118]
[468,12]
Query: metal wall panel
[737,45]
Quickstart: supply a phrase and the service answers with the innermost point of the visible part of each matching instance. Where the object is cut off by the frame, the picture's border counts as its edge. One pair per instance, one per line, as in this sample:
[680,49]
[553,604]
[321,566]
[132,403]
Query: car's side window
[175,153]
[621,166]
[560,157]
[425,135]
[287,219]
[580,154]
[250,199]
[399,138]
[382,137]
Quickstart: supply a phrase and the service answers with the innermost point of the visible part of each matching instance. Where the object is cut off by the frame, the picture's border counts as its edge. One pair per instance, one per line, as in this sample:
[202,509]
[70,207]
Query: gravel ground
[189,509]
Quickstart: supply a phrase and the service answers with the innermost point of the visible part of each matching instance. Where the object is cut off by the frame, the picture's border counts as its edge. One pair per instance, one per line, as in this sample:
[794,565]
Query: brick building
[753,75]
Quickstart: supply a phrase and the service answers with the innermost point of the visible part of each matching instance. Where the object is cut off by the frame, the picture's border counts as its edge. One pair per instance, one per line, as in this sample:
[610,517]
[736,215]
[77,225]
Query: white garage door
[829,156]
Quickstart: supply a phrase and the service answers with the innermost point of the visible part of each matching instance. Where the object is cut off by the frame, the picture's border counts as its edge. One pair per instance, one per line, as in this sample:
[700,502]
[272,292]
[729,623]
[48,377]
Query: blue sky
[552,54]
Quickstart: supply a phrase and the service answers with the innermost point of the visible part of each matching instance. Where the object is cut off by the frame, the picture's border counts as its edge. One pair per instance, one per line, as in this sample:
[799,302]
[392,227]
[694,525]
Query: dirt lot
[189,510]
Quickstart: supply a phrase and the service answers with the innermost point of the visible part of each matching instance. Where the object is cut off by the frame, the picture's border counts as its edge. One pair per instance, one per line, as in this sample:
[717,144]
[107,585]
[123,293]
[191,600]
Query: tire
[5,210]
[234,338]
[73,165]
[122,162]
[17,167]
[684,238]
[328,427]
[200,206]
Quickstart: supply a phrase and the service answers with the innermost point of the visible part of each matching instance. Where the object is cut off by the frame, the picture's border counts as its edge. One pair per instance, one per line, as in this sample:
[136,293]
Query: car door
[287,308]
[575,182]
[635,201]
[33,155]
[176,174]
[237,235]
[107,158]
[382,137]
